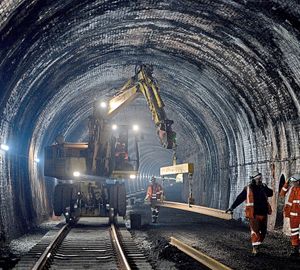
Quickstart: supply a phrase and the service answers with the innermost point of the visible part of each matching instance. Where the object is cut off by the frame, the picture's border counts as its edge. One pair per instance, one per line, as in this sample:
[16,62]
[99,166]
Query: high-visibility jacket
[284,189]
[292,207]
[249,210]
[154,191]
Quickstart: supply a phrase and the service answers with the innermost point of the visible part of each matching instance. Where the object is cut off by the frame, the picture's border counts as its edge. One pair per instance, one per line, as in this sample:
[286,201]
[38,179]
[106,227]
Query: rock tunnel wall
[228,73]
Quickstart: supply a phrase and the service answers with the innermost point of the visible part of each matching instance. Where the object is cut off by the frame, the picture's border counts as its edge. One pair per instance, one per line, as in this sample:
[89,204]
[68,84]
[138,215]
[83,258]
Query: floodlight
[4,147]
[103,104]
[76,174]
[135,127]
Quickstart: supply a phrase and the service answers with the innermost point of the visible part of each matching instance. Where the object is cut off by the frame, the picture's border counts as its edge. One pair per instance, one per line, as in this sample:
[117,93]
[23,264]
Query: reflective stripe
[284,189]
[295,233]
[248,195]
[249,209]
[295,229]
[289,203]
[256,243]
[294,214]
[249,204]
[296,201]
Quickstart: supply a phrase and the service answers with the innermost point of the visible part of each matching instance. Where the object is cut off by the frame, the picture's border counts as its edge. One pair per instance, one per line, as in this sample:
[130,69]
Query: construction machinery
[97,168]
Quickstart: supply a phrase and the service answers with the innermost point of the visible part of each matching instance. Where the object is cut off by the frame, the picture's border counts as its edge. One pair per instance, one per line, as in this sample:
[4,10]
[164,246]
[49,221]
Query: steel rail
[48,253]
[197,209]
[115,238]
[198,255]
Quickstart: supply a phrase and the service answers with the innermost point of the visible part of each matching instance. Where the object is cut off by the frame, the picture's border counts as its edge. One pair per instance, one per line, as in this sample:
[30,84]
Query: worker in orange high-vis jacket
[257,208]
[292,210]
[154,194]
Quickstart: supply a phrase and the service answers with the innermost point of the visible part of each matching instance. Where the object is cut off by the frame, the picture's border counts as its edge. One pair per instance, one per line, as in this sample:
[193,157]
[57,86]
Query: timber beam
[176,169]
[197,209]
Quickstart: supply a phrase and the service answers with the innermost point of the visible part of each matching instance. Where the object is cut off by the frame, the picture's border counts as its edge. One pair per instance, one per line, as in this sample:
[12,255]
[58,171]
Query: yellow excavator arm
[144,83]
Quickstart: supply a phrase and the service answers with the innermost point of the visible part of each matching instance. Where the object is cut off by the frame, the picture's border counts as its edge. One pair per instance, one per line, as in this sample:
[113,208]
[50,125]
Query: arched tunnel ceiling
[225,68]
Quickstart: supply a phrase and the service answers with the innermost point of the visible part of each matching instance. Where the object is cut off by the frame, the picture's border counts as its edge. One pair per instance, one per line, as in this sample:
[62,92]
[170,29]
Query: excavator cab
[62,160]
[123,165]
[121,152]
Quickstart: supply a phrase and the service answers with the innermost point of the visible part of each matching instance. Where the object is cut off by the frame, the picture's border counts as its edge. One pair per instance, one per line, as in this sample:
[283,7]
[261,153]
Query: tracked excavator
[92,174]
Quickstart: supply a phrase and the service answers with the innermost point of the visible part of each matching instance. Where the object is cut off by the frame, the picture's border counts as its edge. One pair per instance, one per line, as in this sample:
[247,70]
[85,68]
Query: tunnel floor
[225,241]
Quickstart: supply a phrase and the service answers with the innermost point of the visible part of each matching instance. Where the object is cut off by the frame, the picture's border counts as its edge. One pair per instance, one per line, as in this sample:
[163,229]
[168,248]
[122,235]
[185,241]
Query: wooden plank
[197,209]
[198,255]
[179,168]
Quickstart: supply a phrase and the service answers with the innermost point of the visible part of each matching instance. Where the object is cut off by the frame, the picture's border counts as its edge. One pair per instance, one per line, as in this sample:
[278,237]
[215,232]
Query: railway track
[88,245]
[94,244]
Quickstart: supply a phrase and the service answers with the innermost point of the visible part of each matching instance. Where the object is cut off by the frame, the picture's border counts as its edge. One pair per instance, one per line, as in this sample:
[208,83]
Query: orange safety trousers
[294,224]
[258,227]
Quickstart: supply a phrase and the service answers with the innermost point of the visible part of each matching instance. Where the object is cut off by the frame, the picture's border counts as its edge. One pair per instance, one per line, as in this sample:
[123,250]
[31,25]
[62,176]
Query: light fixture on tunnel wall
[4,147]
[132,176]
[76,174]
[135,128]
[114,127]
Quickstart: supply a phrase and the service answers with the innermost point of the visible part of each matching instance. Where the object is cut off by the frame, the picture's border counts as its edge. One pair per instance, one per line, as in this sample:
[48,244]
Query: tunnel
[228,73]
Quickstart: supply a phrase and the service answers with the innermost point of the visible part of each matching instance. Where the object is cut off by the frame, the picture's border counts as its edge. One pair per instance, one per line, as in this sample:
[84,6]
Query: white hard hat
[295,177]
[255,174]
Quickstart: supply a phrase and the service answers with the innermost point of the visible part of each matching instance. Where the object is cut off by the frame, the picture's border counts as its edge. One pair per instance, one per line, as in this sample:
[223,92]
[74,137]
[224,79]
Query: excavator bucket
[166,135]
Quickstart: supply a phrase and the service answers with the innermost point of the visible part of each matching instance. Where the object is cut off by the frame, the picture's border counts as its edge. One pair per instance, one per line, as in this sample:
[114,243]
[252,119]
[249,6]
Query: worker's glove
[229,211]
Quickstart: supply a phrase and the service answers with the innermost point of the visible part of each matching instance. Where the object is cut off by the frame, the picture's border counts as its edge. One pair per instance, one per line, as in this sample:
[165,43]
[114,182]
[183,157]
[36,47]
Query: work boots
[295,251]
